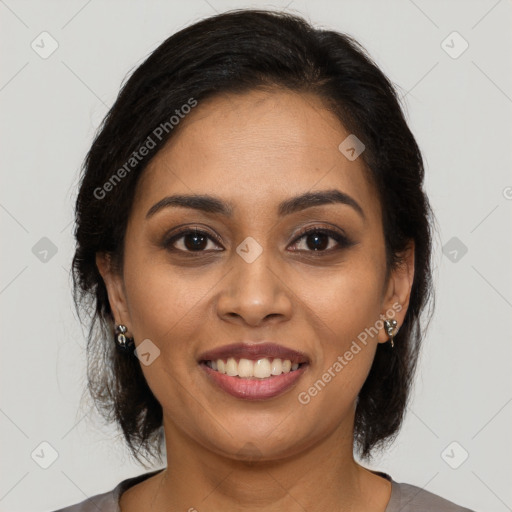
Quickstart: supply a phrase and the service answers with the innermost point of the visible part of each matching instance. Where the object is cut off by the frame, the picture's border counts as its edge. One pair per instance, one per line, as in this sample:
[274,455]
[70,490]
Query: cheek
[162,299]
[346,301]
[346,312]
[167,306]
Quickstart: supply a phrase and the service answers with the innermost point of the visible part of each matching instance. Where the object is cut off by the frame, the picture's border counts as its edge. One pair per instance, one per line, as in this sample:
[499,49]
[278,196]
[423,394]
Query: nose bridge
[255,289]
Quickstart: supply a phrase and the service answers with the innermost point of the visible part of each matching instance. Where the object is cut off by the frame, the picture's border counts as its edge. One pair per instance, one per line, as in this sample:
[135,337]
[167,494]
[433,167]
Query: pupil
[198,244]
[317,244]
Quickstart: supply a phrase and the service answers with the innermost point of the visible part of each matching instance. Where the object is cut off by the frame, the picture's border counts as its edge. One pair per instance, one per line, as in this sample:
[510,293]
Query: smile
[246,368]
[253,380]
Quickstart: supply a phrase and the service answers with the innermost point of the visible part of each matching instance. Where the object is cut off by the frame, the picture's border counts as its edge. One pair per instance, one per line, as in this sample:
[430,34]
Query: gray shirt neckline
[404,498]
[392,506]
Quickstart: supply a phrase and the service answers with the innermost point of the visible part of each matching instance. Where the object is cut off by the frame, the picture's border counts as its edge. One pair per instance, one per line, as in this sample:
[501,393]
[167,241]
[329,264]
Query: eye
[317,240]
[191,240]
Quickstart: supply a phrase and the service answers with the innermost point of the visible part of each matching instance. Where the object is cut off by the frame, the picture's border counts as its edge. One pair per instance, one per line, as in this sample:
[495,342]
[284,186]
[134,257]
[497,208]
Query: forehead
[255,150]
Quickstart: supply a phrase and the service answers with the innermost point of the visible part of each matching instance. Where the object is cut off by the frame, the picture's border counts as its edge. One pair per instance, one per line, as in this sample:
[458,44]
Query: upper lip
[254,351]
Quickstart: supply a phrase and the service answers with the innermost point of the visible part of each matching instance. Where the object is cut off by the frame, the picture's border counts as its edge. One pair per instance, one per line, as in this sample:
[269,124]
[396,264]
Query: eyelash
[342,240]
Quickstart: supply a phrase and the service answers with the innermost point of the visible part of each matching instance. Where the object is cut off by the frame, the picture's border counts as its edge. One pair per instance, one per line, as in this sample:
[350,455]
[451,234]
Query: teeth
[231,367]
[246,368]
[261,368]
[277,367]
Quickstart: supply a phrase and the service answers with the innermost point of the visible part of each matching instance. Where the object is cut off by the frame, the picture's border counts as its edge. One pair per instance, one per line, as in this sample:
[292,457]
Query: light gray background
[458,108]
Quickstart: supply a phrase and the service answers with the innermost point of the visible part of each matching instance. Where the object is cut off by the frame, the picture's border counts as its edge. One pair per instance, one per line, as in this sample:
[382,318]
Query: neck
[322,477]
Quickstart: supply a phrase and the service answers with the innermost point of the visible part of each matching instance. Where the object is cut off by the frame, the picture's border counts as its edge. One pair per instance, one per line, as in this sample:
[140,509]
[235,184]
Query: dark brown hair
[235,52]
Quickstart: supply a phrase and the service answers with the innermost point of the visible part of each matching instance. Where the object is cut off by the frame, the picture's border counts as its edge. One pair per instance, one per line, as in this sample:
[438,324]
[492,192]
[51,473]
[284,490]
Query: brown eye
[191,240]
[318,240]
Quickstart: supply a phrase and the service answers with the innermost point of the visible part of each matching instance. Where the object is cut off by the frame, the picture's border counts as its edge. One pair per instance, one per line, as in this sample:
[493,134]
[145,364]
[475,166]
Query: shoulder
[408,497]
[105,502]
[108,501]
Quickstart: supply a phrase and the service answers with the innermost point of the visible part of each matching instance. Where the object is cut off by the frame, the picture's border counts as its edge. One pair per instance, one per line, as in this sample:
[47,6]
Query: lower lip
[254,388]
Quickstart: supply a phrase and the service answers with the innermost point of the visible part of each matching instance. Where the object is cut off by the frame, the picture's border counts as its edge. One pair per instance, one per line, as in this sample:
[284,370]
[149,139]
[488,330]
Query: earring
[390,326]
[123,342]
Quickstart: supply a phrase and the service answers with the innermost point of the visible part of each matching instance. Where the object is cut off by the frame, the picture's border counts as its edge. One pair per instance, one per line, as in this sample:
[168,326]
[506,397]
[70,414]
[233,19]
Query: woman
[254,241]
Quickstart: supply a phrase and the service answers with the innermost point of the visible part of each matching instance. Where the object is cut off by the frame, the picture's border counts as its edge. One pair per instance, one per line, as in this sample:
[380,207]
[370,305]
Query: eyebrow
[211,204]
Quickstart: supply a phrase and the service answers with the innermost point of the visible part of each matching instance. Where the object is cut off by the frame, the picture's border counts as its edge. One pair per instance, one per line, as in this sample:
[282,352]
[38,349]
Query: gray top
[404,498]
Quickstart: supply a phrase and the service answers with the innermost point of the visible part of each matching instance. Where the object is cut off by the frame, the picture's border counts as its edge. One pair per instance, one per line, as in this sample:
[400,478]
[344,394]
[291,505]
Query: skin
[255,150]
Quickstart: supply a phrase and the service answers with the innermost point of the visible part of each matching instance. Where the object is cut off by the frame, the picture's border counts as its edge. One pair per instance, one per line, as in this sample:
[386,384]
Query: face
[199,276]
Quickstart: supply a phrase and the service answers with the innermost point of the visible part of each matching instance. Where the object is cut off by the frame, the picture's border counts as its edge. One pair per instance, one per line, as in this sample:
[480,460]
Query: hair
[236,52]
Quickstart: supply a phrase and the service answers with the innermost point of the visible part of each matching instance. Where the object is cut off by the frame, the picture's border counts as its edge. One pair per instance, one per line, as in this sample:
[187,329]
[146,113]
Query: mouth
[254,371]
[242,368]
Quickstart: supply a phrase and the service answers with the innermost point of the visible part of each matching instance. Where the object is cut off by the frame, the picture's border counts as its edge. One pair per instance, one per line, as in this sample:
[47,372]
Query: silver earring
[390,326]
[123,342]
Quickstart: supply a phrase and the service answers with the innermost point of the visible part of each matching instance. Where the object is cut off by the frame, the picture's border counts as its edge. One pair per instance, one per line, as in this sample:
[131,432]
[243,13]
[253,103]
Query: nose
[255,293]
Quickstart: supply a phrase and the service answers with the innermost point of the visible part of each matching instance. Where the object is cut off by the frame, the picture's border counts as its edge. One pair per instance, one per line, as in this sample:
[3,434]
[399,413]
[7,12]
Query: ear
[115,289]
[398,291]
